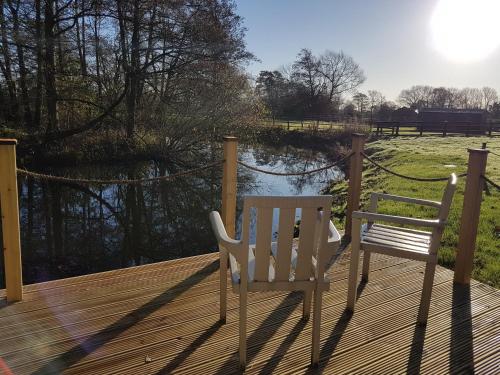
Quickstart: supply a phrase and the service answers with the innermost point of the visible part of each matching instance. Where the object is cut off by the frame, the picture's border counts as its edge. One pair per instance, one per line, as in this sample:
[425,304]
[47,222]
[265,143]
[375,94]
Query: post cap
[480,150]
[8,141]
[358,135]
[230,138]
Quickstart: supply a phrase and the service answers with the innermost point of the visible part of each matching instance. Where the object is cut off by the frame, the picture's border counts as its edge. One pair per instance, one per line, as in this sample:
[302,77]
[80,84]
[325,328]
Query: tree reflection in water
[69,229]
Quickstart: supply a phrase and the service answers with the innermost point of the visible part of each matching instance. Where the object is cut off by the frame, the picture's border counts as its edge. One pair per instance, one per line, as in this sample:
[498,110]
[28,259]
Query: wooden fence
[443,128]
[475,180]
[393,128]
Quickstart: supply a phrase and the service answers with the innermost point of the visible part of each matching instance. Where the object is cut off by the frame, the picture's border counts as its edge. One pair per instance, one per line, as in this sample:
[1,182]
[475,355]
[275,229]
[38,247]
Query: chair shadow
[333,340]
[462,339]
[283,348]
[331,343]
[94,342]
[260,336]
[416,351]
[183,355]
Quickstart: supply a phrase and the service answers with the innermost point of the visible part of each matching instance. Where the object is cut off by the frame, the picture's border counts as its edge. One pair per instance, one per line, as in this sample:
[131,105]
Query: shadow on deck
[163,318]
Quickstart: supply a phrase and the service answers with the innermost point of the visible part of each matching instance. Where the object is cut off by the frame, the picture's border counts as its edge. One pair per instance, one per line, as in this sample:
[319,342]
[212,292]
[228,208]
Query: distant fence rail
[316,123]
[443,128]
[382,128]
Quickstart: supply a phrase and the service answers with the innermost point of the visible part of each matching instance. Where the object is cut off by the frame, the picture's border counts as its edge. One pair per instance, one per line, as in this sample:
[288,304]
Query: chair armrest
[397,198]
[333,235]
[223,239]
[398,219]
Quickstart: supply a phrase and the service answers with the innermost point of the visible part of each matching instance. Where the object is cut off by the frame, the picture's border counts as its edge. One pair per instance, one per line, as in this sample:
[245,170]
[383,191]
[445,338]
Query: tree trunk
[97,51]
[39,63]
[79,40]
[6,67]
[84,44]
[50,68]
[134,72]
[22,67]
[60,50]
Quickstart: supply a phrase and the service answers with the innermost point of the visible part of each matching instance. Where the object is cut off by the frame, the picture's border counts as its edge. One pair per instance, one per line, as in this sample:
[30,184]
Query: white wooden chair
[285,265]
[398,241]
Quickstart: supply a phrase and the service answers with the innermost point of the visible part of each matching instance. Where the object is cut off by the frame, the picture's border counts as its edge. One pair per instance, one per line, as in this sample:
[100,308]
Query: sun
[466,30]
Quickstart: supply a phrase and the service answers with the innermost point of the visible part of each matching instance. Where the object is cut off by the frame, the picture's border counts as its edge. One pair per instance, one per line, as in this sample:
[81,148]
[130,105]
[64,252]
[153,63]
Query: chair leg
[425,301]
[306,305]
[318,299]
[366,266]
[243,329]
[223,285]
[353,266]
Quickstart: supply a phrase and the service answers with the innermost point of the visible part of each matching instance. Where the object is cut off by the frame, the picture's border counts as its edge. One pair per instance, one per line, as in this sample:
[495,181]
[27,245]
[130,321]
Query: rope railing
[139,181]
[329,166]
[421,179]
[494,184]
[493,153]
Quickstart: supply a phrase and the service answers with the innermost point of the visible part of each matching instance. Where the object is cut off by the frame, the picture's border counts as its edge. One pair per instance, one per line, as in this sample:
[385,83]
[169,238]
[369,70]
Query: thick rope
[421,179]
[139,181]
[494,184]
[251,167]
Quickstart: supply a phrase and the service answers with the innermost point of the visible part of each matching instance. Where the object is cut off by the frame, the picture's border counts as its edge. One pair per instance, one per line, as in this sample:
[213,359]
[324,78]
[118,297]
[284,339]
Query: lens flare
[466,30]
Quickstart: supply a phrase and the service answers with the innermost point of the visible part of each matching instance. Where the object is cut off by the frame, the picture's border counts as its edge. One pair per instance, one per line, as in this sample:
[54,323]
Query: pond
[69,229]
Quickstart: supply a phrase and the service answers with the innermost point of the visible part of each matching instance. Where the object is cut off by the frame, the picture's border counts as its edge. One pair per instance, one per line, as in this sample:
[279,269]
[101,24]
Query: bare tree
[490,96]
[306,71]
[340,72]
[69,66]
[416,97]
[471,98]
[361,101]
[375,100]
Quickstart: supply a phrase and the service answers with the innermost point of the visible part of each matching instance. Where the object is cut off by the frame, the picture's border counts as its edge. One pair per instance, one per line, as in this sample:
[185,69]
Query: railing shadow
[264,332]
[461,348]
[462,339]
[94,342]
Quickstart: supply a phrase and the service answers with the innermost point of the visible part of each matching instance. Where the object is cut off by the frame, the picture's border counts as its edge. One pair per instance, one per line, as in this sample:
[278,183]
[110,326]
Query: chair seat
[274,285]
[396,241]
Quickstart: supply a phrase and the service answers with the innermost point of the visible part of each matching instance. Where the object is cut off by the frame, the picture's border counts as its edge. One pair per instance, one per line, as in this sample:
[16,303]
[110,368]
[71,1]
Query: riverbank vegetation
[431,157]
[76,71]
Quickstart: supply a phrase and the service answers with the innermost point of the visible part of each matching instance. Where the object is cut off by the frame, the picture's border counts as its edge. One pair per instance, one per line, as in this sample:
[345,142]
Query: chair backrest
[313,235]
[444,210]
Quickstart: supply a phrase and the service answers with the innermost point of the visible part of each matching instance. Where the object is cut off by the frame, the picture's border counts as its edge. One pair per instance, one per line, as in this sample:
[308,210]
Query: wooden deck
[163,318]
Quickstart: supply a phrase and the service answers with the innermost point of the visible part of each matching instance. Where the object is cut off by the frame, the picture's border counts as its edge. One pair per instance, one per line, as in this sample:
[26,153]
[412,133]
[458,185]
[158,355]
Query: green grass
[435,156]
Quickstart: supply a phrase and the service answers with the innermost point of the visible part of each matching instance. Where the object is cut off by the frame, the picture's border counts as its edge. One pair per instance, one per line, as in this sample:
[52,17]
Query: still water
[70,229]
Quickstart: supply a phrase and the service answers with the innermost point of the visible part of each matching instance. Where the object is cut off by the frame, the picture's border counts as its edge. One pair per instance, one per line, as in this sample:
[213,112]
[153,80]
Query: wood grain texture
[164,318]
[10,221]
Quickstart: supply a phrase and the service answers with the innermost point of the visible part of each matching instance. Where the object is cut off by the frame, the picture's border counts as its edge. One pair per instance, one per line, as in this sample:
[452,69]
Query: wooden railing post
[355,170]
[10,220]
[229,179]
[474,186]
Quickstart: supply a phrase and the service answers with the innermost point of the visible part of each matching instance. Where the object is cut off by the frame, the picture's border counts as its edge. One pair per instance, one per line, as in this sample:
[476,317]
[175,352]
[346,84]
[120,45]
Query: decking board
[163,318]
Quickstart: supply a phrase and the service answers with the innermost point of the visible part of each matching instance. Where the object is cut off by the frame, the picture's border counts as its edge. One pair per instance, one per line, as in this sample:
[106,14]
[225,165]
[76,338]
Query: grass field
[434,156]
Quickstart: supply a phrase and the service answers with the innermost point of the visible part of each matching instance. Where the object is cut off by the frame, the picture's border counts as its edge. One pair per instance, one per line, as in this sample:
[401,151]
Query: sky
[392,40]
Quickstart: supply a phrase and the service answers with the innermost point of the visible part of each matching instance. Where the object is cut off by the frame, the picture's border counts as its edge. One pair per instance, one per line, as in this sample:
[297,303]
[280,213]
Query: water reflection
[68,229]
